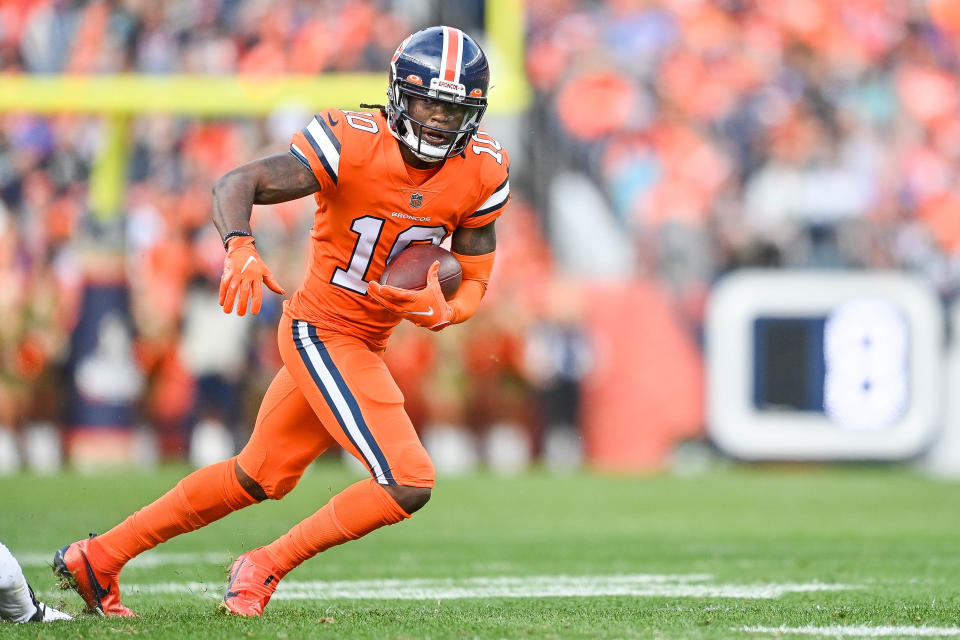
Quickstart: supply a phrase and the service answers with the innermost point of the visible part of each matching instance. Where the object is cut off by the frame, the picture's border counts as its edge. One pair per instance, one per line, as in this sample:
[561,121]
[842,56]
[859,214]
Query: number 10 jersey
[369,209]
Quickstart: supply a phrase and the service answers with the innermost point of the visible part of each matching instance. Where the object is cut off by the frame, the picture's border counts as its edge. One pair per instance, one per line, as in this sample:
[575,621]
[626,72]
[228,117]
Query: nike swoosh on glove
[243,271]
[425,307]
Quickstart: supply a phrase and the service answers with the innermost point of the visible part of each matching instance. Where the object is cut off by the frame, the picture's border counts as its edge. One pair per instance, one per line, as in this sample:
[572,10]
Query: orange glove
[243,270]
[424,308]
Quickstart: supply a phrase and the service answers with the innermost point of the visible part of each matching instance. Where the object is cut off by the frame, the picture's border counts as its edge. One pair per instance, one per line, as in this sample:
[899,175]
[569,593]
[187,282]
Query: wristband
[234,234]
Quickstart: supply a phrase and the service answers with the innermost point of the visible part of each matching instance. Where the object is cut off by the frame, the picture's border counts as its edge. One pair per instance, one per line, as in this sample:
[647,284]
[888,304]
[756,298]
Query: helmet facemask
[410,131]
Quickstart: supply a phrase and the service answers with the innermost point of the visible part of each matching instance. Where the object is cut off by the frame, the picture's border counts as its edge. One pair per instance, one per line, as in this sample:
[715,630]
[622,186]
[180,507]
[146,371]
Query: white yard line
[680,586]
[859,631]
[695,585]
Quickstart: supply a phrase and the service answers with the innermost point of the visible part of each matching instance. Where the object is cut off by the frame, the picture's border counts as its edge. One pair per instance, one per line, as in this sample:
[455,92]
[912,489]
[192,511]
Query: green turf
[892,534]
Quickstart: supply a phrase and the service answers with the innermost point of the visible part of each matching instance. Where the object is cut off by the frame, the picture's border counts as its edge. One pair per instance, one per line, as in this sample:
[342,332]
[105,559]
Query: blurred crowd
[208,36]
[165,357]
[728,133]
[708,134]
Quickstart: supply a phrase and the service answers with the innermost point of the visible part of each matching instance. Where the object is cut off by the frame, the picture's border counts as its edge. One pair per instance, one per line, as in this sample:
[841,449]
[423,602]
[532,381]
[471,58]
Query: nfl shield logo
[416,200]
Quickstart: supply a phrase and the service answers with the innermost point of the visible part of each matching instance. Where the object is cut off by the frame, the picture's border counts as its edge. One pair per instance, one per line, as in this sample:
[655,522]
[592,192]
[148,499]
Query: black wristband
[234,234]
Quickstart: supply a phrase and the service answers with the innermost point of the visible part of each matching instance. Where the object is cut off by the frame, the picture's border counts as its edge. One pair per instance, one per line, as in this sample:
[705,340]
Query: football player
[17,600]
[415,170]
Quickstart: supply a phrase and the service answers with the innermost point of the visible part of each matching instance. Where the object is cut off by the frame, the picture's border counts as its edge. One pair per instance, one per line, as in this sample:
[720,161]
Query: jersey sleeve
[317,147]
[495,177]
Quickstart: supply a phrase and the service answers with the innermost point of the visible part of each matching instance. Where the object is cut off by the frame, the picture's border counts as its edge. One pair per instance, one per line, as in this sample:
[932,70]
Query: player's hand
[243,271]
[425,308]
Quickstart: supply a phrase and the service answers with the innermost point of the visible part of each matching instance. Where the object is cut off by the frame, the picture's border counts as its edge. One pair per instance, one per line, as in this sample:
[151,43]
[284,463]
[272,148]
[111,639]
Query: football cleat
[45,613]
[101,591]
[250,583]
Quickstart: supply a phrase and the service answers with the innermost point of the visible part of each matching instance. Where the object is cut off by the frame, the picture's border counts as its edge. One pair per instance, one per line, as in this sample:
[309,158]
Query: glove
[424,308]
[243,270]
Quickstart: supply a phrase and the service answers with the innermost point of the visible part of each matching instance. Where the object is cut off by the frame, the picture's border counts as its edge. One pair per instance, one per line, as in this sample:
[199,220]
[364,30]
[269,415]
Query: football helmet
[439,63]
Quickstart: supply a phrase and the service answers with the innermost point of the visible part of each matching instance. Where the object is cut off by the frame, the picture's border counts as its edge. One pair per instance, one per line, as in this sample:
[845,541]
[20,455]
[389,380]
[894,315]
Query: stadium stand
[706,136]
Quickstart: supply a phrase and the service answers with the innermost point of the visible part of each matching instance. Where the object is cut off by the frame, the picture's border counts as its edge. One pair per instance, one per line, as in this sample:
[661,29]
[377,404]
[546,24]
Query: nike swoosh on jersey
[428,312]
[247,264]
[332,122]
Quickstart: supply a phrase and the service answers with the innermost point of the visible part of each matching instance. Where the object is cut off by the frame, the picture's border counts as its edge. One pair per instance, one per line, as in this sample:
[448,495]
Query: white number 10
[368,229]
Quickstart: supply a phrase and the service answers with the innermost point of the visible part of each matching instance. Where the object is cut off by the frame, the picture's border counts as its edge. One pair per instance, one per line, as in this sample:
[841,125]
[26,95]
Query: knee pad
[277,477]
[281,485]
[276,481]
[413,467]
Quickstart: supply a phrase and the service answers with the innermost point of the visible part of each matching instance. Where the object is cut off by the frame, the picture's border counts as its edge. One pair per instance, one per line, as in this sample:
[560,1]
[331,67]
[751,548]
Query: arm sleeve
[317,147]
[476,275]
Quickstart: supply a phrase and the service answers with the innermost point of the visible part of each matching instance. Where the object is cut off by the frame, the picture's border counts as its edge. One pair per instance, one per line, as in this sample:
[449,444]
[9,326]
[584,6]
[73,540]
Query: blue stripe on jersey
[299,156]
[494,207]
[317,150]
[483,212]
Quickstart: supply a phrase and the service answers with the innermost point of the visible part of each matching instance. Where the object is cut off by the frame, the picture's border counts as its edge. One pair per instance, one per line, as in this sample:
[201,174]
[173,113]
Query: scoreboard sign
[823,365]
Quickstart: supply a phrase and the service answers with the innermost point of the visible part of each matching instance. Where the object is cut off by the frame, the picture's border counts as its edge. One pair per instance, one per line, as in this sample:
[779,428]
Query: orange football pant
[354,401]
[332,388]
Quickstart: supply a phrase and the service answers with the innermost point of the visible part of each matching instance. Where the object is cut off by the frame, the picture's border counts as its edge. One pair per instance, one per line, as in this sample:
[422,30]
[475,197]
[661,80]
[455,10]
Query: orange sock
[351,514]
[204,496]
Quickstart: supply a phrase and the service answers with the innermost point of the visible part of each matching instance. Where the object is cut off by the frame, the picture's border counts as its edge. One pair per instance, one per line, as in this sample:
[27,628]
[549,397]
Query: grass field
[737,553]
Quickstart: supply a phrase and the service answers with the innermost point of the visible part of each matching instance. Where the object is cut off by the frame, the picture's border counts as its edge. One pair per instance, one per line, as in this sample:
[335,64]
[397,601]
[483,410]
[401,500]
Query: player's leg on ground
[92,567]
[357,400]
[210,493]
[204,496]
[17,601]
[351,514]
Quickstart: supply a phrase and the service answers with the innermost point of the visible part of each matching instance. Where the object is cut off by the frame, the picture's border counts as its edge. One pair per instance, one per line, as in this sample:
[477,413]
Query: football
[408,270]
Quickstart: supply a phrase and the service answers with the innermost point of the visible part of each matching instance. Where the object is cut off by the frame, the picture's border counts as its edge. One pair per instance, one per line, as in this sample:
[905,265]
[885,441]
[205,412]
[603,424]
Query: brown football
[408,270]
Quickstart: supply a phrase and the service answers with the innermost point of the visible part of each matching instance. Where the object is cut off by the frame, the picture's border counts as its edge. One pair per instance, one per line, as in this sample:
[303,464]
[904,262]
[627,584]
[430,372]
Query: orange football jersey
[369,209]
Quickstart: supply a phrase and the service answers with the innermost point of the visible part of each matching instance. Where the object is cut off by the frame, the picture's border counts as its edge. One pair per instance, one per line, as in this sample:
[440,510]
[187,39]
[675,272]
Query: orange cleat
[251,582]
[101,591]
